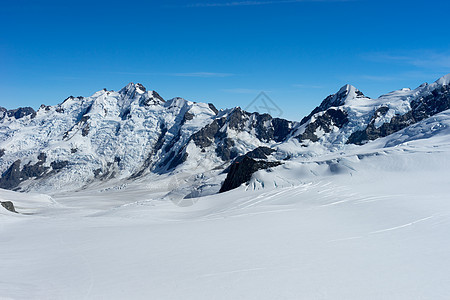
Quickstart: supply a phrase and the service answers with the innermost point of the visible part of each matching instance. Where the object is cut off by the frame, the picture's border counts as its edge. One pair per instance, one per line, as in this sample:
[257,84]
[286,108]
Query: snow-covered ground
[370,222]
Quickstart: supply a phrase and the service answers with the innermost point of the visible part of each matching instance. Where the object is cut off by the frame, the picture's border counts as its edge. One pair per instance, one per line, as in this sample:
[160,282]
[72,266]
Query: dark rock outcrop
[2,152]
[258,153]
[17,113]
[241,172]
[85,130]
[225,149]
[330,118]
[21,112]
[139,86]
[58,165]
[187,117]
[158,96]
[205,136]
[213,108]
[14,175]
[8,205]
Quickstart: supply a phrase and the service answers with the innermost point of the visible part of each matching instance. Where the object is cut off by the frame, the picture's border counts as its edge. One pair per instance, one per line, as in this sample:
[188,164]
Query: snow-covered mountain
[116,137]
[349,117]
[125,135]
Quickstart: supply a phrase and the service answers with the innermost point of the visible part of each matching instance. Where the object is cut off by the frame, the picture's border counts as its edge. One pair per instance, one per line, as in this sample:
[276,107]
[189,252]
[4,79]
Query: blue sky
[224,52]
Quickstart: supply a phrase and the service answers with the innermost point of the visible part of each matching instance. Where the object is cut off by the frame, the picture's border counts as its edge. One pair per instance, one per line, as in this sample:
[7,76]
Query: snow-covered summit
[350,117]
[444,80]
[347,94]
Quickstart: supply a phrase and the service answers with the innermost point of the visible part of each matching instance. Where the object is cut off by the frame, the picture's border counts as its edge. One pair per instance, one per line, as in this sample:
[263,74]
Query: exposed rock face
[205,137]
[436,102]
[21,112]
[157,96]
[17,113]
[241,172]
[2,152]
[9,206]
[11,178]
[371,132]
[265,127]
[15,175]
[325,122]
[221,134]
[213,108]
[225,149]
[259,153]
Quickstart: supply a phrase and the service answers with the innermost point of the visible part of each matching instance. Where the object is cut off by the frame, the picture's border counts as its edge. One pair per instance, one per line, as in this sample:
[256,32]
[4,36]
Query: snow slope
[366,222]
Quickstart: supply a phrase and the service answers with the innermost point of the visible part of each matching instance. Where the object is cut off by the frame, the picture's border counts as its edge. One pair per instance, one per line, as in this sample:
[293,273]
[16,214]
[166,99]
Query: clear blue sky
[223,52]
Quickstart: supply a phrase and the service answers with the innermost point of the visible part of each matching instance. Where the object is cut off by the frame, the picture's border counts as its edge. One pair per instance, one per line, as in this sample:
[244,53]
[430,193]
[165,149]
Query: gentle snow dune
[370,223]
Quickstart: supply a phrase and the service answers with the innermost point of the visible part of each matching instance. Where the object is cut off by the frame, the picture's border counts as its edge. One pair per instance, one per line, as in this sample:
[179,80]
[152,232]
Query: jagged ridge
[133,133]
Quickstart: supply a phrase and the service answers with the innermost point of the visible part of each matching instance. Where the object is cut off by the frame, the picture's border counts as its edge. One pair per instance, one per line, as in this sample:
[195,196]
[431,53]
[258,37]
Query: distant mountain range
[112,138]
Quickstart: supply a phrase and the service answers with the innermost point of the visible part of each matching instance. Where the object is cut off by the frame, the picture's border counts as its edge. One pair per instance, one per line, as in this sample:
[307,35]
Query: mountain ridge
[135,133]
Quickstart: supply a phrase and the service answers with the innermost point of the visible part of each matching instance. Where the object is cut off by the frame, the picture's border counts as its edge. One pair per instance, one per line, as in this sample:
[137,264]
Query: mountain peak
[444,80]
[349,92]
[346,88]
[345,93]
[133,87]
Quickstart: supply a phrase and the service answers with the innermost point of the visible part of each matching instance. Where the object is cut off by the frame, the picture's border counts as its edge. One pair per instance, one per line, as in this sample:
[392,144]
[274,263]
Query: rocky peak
[17,113]
[129,88]
[140,88]
[345,94]
[133,90]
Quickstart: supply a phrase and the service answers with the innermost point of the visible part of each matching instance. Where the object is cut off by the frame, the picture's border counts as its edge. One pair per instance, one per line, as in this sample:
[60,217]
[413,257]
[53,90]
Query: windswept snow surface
[371,222]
